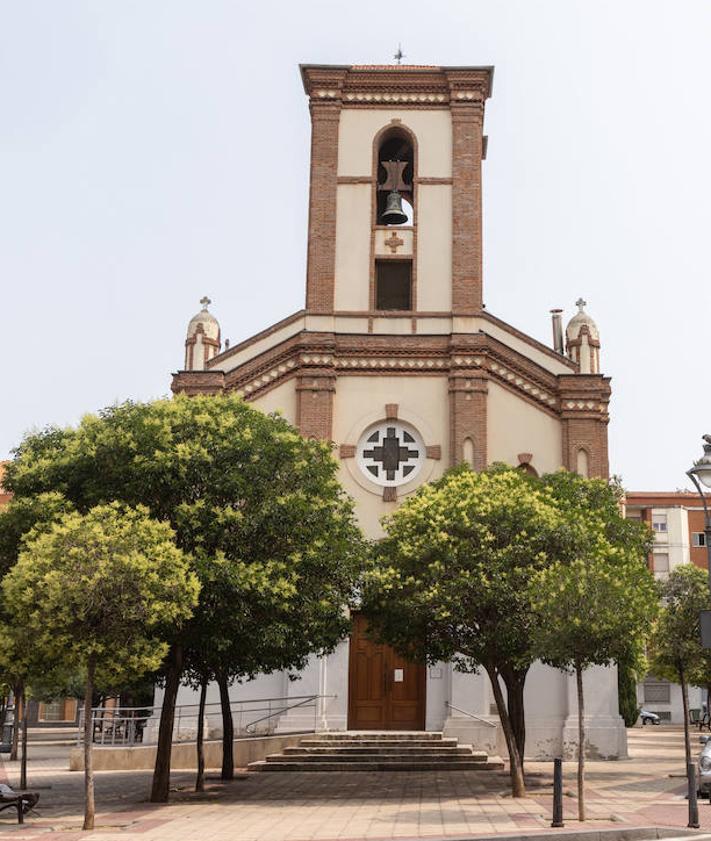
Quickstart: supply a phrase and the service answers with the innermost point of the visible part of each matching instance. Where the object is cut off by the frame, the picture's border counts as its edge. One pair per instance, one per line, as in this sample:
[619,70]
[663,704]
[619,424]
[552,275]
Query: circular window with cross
[391,453]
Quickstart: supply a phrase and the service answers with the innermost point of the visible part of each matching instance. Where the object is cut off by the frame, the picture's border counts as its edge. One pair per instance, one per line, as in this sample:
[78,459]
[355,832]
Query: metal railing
[470,714]
[129,726]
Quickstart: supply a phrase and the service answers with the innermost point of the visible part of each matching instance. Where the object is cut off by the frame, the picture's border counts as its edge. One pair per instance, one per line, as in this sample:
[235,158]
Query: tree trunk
[17,692]
[161,773]
[515,681]
[518,785]
[200,778]
[3,710]
[89,809]
[23,763]
[685,702]
[581,742]
[228,729]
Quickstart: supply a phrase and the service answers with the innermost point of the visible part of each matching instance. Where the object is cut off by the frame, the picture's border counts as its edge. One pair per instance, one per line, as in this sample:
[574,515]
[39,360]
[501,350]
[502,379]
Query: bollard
[693,802]
[557,793]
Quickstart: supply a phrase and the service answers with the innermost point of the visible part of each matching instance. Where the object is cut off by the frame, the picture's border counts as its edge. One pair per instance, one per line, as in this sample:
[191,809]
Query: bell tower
[395,195]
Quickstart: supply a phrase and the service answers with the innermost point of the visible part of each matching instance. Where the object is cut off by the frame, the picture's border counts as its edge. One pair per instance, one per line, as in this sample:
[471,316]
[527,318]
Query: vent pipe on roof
[557,331]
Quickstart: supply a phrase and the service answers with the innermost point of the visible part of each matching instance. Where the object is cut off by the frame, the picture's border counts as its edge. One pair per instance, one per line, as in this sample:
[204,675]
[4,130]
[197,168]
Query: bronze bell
[393,213]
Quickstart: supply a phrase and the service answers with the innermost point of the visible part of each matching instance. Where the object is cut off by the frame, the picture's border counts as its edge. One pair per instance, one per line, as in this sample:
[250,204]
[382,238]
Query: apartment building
[677,520]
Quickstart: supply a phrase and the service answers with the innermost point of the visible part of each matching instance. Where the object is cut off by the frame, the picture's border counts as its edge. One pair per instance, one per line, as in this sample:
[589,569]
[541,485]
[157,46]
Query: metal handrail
[211,704]
[470,714]
[281,710]
[126,725]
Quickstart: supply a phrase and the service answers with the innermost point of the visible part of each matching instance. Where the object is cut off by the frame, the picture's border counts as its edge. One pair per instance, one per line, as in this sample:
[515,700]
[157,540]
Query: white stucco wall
[434,248]
[281,398]
[358,127]
[422,401]
[516,426]
[353,216]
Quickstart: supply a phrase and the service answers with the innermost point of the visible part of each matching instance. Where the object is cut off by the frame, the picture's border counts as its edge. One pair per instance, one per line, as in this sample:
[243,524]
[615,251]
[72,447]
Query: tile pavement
[351,806]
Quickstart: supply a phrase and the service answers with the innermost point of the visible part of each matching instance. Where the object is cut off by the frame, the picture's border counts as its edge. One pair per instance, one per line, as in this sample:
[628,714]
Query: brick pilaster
[321,255]
[315,389]
[467,415]
[584,400]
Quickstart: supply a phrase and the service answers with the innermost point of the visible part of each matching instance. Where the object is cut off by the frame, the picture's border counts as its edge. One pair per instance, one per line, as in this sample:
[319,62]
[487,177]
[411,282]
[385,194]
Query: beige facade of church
[396,360]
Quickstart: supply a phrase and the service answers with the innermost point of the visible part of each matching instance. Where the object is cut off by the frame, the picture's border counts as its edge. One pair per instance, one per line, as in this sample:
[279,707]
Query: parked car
[649,717]
[703,769]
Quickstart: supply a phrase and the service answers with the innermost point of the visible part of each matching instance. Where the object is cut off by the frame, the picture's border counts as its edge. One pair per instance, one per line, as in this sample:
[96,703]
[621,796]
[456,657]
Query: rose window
[391,453]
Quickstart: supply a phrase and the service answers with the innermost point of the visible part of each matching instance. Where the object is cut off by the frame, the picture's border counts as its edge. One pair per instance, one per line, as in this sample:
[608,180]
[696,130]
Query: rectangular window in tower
[698,539]
[393,285]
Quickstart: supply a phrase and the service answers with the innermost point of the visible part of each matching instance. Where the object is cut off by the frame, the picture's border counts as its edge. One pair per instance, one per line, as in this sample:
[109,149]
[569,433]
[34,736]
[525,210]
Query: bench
[23,802]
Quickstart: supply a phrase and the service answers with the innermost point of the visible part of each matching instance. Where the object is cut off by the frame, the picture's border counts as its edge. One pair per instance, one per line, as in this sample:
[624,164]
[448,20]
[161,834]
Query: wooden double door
[385,691]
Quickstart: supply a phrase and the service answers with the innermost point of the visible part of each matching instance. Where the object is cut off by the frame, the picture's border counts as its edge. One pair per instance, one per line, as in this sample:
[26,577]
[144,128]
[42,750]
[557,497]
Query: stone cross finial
[205,301]
[580,303]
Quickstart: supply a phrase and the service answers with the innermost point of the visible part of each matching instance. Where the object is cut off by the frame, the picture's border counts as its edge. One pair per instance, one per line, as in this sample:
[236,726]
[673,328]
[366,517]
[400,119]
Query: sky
[154,151]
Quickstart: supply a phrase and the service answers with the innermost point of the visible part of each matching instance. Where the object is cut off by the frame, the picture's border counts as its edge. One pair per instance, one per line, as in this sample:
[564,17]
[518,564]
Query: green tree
[627,679]
[596,602]
[97,592]
[257,617]
[256,505]
[675,650]
[17,518]
[33,678]
[452,580]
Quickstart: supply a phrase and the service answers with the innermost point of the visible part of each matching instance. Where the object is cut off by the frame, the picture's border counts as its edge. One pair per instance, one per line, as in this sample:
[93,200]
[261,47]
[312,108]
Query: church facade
[397,361]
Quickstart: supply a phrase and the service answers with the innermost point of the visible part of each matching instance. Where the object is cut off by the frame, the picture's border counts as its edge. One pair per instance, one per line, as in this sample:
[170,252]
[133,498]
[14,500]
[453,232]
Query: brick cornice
[406,86]
[198,382]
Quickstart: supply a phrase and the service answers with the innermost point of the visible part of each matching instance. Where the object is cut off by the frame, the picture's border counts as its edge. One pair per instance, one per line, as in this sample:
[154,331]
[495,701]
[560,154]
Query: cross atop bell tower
[395,195]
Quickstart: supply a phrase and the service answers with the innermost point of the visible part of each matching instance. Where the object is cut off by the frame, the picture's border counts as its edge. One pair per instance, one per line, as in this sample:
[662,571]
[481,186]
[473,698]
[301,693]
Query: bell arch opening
[395,156]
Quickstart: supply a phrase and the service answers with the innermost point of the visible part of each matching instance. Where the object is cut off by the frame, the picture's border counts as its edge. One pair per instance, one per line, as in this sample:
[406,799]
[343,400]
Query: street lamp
[700,474]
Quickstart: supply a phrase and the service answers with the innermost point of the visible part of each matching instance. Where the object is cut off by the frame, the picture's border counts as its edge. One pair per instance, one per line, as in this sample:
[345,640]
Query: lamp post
[700,474]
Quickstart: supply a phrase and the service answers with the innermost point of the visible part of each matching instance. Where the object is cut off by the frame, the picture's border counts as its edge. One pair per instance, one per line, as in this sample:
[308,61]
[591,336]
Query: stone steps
[377,757]
[379,743]
[493,764]
[369,751]
[384,735]
[377,750]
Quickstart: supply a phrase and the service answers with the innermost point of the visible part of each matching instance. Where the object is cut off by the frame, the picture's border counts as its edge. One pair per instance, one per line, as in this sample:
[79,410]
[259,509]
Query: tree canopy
[495,570]
[108,585]
[98,593]
[258,507]
[675,650]
[451,580]
[596,600]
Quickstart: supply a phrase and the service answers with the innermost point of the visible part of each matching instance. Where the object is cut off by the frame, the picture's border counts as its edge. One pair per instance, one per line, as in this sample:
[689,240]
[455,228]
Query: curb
[642,833]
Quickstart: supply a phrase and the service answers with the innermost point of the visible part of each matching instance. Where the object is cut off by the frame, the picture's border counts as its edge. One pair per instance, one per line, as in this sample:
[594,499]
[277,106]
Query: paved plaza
[643,791]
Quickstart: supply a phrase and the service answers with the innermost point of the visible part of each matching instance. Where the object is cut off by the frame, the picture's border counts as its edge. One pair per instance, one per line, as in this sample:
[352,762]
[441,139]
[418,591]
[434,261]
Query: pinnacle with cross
[580,304]
[399,55]
[205,301]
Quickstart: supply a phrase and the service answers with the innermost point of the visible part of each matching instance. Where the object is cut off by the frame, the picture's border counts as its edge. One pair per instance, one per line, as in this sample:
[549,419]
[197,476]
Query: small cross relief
[394,242]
